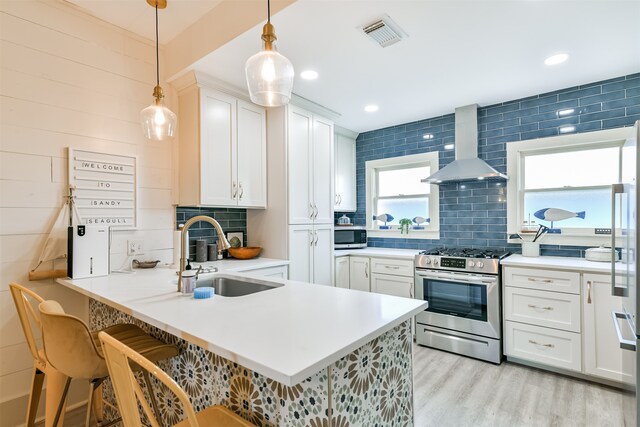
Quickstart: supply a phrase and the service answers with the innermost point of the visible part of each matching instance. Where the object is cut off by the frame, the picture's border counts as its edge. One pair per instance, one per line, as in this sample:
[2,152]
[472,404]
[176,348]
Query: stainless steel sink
[236,287]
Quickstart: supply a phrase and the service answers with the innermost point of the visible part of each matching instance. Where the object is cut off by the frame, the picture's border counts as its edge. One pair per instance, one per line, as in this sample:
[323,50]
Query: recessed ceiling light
[449,146]
[427,136]
[566,112]
[309,75]
[556,59]
[567,129]
[371,108]
[480,178]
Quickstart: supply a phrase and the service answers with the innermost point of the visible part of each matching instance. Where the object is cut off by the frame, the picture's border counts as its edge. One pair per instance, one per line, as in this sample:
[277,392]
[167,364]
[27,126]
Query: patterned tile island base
[372,386]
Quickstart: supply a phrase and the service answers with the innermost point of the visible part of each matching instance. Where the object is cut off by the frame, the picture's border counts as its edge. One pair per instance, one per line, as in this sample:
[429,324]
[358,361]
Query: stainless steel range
[462,289]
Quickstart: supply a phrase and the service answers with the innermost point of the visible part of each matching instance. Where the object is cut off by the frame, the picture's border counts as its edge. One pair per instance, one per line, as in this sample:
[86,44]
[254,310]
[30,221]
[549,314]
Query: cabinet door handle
[312,211]
[234,190]
[588,291]
[535,307]
[339,199]
[315,208]
[311,238]
[335,199]
[540,344]
[366,270]
[317,238]
[241,190]
[531,279]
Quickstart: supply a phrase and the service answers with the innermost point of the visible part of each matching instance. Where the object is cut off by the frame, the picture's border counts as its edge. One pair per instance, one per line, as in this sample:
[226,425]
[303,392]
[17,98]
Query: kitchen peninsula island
[295,355]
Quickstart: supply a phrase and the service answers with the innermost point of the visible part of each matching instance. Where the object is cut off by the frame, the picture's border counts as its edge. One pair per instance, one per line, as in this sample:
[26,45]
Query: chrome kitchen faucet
[223,243]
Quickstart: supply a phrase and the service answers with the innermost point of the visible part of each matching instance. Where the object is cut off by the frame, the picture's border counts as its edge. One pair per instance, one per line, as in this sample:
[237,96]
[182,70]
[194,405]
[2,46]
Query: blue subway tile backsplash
[474,214]
[230,219]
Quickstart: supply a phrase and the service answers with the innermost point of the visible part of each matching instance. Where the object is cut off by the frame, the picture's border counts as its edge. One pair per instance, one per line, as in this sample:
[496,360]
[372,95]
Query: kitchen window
[564,183]
[394,188]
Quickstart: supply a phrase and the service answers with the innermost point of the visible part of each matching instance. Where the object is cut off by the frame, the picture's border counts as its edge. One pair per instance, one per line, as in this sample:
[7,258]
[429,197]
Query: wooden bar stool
[26,302]
[121,357]
[76,352]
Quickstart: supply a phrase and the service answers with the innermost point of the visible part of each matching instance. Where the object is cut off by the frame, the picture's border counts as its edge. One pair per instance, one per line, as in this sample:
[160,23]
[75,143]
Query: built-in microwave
[350,237]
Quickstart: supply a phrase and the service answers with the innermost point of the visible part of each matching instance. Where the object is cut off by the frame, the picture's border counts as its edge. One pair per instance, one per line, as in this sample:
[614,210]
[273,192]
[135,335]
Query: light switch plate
[134,247]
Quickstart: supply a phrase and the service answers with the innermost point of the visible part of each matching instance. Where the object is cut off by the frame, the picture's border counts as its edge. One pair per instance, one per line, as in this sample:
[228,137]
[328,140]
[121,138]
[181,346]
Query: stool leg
[56,396]
[93,386]
[152,396]
[98,404]
[37,379]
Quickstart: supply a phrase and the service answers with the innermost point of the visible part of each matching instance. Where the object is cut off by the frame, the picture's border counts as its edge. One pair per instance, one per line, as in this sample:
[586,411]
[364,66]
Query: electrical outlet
[134,247]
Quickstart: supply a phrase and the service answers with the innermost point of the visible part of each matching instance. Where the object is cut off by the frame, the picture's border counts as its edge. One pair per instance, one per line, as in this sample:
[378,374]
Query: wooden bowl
[245,253]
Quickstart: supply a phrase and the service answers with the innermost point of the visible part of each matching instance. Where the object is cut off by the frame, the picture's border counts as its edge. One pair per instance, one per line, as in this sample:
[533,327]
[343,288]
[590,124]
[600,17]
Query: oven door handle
[456,278]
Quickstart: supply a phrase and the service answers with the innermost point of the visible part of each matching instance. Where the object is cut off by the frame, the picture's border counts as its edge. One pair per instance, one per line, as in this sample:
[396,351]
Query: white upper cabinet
[222,150]
[310,152]
[218,149]
[345,173]
[301,209]
[252,155]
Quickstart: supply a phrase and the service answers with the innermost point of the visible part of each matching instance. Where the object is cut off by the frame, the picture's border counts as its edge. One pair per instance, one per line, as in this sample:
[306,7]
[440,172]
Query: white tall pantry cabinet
[345,170]
[298,222]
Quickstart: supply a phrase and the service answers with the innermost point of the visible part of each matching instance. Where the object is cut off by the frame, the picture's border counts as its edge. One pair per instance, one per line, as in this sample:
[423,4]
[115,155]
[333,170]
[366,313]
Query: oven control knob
[435,262]
[427,261]
[471,264]
[480,264]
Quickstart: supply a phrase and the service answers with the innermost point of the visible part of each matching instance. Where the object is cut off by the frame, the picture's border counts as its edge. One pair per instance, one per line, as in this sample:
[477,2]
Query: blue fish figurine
[419,220]
[384,218]
[555,214]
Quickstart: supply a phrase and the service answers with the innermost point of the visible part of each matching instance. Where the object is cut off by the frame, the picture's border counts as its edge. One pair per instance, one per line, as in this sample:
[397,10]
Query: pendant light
[269,74]
[158,122]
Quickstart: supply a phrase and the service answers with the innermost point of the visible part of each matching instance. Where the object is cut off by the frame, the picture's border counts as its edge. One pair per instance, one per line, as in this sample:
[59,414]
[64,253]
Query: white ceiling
[457,53]
[138,17]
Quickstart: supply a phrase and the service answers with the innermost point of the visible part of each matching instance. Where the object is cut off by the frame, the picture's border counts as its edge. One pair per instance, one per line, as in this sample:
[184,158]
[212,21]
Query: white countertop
[408,254]
[287,333]
[555,262]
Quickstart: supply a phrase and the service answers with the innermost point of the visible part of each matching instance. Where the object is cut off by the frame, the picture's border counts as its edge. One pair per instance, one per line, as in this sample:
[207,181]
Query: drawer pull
[535,307]
[540,344]
[392,267]
[589,292]
[531,279]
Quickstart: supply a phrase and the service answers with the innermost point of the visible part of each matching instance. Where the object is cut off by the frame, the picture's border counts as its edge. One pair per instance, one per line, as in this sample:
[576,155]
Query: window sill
[569,240]
[395,234]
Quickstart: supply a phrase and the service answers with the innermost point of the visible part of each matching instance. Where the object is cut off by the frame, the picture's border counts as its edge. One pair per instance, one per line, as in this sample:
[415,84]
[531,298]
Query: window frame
[516,153]
[372,167]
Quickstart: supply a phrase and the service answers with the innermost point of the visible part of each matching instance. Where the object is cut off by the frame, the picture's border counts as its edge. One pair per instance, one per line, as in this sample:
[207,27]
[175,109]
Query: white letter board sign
[105,188]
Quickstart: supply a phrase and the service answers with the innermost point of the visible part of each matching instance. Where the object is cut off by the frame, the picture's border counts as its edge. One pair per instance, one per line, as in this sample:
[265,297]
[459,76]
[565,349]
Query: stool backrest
[24,299]
[128,391]
[68,343]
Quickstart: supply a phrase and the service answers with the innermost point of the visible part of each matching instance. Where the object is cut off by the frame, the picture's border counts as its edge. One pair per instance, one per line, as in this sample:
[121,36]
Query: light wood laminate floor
[452,390]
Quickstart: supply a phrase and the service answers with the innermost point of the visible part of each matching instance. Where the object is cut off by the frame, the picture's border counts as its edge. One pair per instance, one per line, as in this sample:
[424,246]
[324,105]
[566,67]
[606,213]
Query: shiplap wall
[68,79]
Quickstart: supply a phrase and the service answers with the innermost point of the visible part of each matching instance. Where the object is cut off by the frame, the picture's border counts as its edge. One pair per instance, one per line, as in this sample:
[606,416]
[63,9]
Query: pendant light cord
[157,54]
[268,10]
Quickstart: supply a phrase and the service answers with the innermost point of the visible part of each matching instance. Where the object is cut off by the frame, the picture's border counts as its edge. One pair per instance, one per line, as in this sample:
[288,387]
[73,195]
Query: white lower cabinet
[392,285]
[603,356]
[547,346]
[563,319]
[359,273]
[342,272]
[279,272]
[311,253]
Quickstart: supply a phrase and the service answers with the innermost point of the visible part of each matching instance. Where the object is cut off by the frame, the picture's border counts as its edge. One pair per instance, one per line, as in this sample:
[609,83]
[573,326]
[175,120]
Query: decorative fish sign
[555,214]
[420,220]
[384,218]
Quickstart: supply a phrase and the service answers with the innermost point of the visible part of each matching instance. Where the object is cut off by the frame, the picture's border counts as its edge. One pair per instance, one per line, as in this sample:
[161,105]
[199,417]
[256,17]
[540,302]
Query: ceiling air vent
[384,31]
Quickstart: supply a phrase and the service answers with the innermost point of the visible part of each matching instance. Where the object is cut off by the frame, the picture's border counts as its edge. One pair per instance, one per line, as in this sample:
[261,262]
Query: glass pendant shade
[269,78]
[158,122]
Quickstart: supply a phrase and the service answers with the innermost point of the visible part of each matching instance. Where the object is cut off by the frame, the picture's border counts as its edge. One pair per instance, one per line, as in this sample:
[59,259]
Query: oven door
[460,301]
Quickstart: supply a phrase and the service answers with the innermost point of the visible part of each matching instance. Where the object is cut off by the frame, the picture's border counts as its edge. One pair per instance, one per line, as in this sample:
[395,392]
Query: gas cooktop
[466,253]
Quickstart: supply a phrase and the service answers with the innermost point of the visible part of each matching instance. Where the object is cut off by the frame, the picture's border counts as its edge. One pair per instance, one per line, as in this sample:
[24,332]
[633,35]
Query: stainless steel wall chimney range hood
[467,166]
